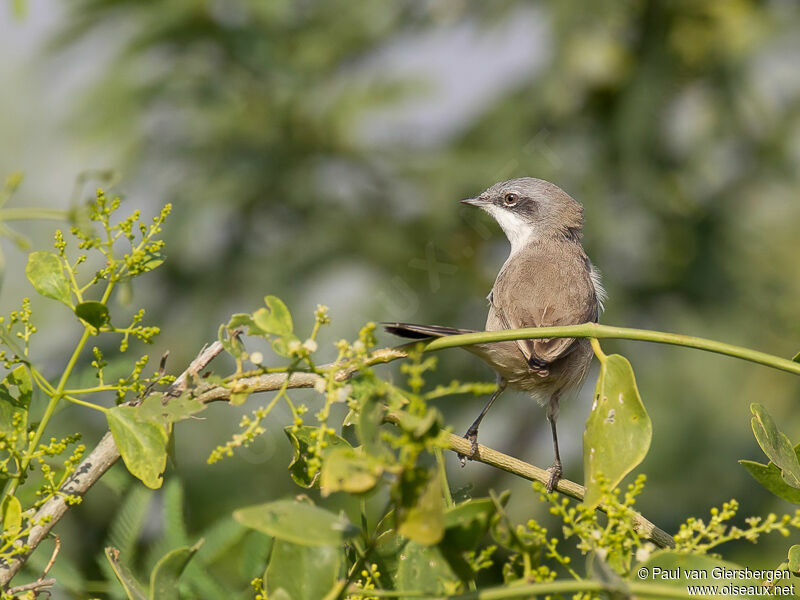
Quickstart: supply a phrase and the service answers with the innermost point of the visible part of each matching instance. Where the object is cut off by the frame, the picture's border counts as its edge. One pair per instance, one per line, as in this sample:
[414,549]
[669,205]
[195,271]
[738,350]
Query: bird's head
[531,209]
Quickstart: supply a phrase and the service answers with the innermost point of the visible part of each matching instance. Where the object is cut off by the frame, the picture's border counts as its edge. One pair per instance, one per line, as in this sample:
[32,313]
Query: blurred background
[317,151]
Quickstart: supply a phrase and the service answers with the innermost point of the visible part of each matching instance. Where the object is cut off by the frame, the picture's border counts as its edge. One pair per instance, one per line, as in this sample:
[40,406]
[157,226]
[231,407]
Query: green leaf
[370,419]
[297,522]
[618,430]
[775,445]
[94,313]
[794,558]
[301,440]
[419,427]
[421,517]
[347,470]
[275,318]
[242,320]
[10,516]
[46,274]
[154,410]
[300,572]
[142,444]
[769,476]
[132,587]
[16,391]
[466,523]
[165,575]
[796,357]
[151,261]
[423,569]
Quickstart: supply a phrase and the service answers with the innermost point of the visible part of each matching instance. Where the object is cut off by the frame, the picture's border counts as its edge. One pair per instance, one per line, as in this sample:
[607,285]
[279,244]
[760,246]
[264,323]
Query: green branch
[593,330]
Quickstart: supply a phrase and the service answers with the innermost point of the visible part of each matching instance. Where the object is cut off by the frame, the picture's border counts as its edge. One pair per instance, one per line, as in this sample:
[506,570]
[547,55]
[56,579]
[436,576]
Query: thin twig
[35,585]
[92,468]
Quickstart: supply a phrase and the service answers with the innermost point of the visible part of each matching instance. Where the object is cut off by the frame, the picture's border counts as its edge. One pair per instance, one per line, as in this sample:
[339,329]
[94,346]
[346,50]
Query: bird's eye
[510,200]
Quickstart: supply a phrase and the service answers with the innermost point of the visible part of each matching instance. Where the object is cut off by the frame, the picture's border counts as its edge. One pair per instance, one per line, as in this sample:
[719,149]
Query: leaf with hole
[142,444]
[94,313]
[423,568]
[297,522]
[46,274]
[775,445]
[618,431]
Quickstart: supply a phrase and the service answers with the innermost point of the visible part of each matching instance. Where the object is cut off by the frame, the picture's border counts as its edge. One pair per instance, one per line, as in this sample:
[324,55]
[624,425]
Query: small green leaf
[421,518]
[775,445]
[275,318]
[769,476]
[300,572]
[94,313]
[151,261]
[794,558]
[142,444]
[154,410]
[466,523]
[46,274]
[16,391]
[10,516]
[242,320]
[297,522]
[423,568]
[131,585]
[165,575]
[230,343]
[370,419]
[347,470]
[418,427]
[301,440]
[796,357]
[618,430]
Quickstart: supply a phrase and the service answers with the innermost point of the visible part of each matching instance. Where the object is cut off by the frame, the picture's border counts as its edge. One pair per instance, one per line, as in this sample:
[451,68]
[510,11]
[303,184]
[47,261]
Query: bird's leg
[472,432]
[555,470]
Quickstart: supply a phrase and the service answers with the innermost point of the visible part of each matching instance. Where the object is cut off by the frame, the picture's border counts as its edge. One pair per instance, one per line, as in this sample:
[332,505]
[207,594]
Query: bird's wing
[548,290]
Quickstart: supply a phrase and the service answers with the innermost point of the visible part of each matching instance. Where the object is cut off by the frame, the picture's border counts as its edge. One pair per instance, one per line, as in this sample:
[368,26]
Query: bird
[547,280]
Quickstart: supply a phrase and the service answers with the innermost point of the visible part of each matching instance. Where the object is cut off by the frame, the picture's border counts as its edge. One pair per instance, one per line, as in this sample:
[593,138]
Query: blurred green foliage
[677,124]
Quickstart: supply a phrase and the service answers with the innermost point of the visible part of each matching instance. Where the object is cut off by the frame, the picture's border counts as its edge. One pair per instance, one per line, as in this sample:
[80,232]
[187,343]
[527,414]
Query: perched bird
[547,280]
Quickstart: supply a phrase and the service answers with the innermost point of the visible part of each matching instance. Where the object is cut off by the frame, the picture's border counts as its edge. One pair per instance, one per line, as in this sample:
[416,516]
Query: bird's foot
[555,474]
[472,436]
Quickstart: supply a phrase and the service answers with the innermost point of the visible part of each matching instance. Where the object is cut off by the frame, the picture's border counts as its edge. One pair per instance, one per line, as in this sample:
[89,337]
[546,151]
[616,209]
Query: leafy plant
[399,528]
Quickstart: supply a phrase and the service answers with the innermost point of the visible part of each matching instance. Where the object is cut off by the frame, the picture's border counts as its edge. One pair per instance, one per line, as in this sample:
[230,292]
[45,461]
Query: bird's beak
[476,201]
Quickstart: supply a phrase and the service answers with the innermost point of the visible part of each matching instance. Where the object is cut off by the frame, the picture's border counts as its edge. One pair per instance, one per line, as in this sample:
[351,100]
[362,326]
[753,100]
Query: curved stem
[26,213]
[594,330]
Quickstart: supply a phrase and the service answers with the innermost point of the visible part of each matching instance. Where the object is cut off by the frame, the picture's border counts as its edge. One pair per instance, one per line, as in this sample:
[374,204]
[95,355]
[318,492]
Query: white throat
[518,232]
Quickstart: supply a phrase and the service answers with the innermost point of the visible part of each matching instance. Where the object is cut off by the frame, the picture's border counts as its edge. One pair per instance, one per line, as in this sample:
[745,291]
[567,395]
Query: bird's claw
[555,474]
[472,436]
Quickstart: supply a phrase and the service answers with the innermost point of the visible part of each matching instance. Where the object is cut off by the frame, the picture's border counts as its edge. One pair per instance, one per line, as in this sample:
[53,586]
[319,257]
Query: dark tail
[418,332]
